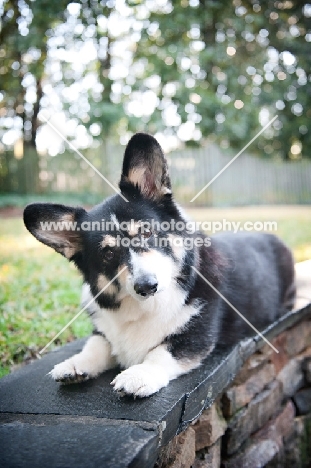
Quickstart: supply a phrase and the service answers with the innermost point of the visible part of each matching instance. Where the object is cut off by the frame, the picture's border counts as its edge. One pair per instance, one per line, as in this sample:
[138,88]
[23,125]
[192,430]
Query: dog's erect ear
[56,226]
[145,167]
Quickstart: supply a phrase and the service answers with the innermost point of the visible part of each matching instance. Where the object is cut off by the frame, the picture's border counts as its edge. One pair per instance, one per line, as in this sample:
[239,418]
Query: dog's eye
[146,233]
[108,254]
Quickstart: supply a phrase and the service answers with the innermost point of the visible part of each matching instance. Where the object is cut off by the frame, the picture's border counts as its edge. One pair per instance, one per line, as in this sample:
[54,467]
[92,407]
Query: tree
[23,38]
[38,40]
[185,68]
[224,66]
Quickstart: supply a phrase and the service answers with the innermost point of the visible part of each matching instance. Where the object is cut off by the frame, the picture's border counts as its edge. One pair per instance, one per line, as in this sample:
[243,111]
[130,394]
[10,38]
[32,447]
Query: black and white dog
[158,318]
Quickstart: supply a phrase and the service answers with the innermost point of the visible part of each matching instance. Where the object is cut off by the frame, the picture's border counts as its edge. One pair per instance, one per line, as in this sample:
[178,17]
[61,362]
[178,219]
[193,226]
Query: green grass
[39,293]
[293,223]
[40,290]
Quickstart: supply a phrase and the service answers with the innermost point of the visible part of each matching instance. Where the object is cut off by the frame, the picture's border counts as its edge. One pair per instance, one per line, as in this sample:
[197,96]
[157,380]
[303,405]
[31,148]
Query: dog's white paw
[70,371]
[140,380]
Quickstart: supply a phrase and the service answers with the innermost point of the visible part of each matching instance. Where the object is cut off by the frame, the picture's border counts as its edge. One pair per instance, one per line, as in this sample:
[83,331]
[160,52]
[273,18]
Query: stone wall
[263,419]
[245,406]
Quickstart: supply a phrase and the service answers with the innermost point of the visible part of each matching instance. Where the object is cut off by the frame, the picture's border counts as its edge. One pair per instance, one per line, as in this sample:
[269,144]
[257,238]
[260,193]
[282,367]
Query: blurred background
[204,77]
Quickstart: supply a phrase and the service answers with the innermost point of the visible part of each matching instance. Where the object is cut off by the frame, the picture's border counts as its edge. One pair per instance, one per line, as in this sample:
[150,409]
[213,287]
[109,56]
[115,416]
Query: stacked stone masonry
[263,419]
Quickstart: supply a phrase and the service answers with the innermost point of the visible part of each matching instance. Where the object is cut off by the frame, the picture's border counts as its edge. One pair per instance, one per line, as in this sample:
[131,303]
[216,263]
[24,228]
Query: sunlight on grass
[293,223]
[40,292]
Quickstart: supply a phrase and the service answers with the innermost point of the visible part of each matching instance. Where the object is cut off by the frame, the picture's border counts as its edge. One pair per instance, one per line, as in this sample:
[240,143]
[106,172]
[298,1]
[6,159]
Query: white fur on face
[151,263]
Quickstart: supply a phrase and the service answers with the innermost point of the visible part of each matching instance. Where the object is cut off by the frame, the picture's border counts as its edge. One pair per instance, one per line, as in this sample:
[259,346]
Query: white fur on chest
[137,327]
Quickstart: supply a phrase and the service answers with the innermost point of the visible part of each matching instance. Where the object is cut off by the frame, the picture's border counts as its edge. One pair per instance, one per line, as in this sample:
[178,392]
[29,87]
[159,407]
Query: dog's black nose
[146,286]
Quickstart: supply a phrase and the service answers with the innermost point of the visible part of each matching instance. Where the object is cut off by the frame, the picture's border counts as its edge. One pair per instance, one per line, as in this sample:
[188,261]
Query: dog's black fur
[255,274]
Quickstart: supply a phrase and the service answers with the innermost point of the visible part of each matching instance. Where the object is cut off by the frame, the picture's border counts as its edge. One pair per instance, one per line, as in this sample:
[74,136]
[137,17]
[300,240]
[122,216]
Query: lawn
[293,223]
[40,290]
[39,294]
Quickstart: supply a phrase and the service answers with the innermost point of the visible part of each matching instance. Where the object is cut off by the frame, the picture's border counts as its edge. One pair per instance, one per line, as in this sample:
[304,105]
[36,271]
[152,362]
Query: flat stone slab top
[61,441]
[45,424]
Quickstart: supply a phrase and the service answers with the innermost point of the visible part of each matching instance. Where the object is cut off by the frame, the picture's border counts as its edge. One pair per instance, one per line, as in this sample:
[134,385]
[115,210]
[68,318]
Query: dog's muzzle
[146,286]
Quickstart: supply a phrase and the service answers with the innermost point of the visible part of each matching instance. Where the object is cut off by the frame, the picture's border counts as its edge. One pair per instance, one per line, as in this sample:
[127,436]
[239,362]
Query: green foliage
[226,61]
[23,39]
[213,69]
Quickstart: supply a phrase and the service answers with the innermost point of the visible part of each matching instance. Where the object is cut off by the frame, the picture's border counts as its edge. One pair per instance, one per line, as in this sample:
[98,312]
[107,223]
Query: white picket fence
[248,180]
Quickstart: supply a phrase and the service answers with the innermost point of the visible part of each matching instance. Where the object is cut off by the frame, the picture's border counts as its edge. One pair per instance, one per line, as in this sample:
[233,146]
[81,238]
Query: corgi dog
[154,290]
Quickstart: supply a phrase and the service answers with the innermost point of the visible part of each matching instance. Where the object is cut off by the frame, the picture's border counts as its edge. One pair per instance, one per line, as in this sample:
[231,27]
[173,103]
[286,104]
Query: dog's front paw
[68,372]
[140,380]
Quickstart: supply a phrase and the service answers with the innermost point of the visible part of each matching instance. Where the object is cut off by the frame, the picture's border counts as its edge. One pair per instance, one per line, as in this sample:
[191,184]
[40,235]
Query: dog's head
[122,247]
